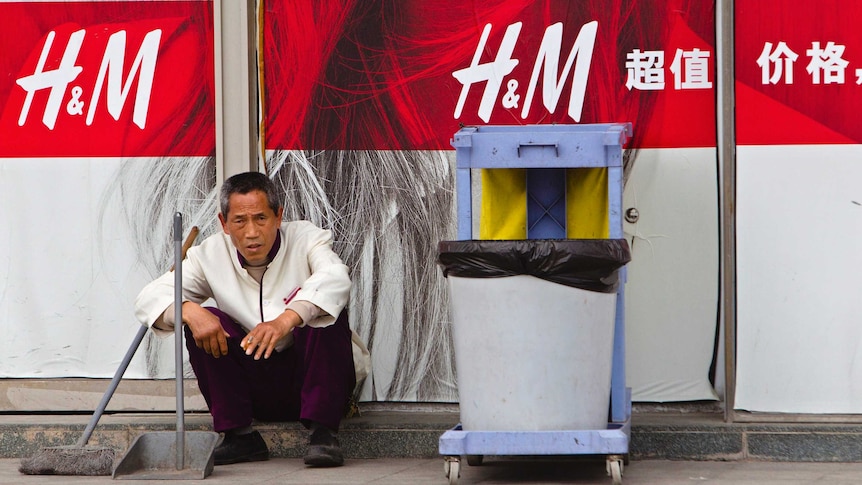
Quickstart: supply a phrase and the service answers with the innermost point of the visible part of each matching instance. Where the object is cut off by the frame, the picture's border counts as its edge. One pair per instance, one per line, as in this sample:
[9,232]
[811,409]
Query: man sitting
[278,345]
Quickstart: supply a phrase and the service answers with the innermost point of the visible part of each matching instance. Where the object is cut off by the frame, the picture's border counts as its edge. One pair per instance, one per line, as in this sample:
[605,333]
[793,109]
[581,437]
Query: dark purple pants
[310,381]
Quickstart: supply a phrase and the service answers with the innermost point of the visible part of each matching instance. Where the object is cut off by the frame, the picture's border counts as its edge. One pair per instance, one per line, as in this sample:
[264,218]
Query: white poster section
[672,290]
[799,223]
[69,273]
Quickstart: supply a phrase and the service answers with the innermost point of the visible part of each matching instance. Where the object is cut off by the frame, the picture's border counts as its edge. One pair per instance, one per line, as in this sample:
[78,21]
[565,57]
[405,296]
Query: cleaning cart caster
[475,460]
[615,469]
[452,468]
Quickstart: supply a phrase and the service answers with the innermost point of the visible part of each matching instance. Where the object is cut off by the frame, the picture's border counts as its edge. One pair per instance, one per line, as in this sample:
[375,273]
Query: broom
[80,459]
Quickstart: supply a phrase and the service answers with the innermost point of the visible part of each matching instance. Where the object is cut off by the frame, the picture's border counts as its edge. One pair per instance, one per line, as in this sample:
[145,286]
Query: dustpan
[166,455]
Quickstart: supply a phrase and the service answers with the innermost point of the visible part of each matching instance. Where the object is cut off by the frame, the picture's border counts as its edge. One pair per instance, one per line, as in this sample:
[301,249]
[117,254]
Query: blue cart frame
[552,149]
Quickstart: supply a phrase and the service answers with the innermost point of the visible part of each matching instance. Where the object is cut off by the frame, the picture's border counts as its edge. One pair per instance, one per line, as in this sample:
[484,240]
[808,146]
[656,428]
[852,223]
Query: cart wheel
[475,460]
[452,467]
[615,469]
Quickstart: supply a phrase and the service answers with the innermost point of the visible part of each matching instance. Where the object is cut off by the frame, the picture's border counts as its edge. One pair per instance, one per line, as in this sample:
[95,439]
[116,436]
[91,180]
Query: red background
[378,75]
[802,112]
[180,120]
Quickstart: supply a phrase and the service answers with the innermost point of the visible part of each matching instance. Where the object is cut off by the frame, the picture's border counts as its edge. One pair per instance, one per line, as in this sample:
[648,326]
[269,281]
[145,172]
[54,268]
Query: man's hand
[206,329]
[261,341]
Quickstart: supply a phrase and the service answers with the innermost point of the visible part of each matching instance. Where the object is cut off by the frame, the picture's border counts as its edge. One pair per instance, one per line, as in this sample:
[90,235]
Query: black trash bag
[588,264]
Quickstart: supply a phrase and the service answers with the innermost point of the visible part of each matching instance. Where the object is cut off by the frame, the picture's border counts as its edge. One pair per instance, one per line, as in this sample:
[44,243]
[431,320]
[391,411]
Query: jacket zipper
[260,295]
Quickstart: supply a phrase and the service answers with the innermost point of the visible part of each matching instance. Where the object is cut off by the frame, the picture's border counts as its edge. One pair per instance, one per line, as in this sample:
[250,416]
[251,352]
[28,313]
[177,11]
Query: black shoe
[323,449]
[237,448]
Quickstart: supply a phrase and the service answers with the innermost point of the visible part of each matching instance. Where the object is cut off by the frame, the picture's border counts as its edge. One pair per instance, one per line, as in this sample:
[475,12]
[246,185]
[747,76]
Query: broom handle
[118,375]
[88,431]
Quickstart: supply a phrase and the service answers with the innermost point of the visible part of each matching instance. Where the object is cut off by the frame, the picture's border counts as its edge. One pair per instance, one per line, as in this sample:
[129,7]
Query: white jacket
[212,269]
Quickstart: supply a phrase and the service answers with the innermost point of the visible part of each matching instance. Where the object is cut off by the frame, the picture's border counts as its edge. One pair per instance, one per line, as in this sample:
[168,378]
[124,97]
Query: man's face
[251,225]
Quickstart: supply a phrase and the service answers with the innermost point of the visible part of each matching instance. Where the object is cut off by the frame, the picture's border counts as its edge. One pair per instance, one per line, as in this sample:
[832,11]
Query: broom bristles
[70,460]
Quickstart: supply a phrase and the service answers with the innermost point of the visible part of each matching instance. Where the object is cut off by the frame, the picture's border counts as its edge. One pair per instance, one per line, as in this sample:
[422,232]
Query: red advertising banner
[405,74]
[103,78]
[799,72]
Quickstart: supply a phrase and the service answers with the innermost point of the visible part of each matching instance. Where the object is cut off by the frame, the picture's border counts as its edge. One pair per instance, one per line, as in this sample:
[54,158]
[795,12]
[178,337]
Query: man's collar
[269,257]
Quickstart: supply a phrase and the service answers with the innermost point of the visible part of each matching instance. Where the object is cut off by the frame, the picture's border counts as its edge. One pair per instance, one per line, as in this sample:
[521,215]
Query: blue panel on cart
[546,203]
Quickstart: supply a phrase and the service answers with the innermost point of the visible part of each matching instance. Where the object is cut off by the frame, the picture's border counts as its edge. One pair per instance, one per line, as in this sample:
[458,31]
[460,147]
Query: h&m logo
[110,79]
[547,59]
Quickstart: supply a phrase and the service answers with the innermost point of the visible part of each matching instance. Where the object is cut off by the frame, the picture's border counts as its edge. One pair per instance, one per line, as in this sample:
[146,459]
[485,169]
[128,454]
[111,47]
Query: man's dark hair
[243,183]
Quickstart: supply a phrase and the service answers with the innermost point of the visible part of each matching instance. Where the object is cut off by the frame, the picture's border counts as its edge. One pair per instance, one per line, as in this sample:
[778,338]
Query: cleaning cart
[538,324]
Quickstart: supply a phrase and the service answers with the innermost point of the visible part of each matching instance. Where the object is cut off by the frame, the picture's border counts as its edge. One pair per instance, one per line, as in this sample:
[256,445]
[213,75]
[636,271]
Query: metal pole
[726,125]
[178,335]
[219,93]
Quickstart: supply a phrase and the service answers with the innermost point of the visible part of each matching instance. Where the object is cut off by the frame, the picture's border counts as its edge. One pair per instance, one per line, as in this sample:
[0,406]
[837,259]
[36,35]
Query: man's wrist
[306,310]
[292,319]
[188,309]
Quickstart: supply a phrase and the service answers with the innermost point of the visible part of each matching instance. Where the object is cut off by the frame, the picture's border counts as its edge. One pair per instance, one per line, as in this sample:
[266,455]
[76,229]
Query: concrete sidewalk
[420,471]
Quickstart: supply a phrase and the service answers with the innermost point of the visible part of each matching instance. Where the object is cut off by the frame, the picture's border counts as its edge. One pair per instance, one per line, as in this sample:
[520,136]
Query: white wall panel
[67,281]
[799,338]
[672,290]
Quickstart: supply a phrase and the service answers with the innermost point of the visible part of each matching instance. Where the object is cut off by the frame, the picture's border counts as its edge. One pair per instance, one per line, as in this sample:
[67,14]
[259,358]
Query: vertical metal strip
[620,401]
[726,146]
[236,87]
[261,88]
[219,92]
[464,201]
